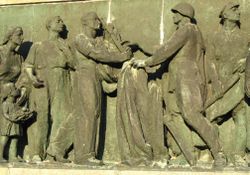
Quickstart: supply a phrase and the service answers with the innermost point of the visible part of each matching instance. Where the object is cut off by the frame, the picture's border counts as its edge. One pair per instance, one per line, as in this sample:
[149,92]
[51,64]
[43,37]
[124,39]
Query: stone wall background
[7,2]
[141,21]
[146,22]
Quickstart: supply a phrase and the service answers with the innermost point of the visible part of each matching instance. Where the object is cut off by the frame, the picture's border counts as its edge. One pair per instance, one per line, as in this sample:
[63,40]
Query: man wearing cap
[187,83]
[89,53]
[227,50]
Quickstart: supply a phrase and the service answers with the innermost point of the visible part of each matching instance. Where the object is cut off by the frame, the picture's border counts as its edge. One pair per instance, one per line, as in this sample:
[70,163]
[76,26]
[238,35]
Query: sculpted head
[91,24]
[181,11]
[13,35]
[230,12]
[91,20]
[55,24]
[9,91]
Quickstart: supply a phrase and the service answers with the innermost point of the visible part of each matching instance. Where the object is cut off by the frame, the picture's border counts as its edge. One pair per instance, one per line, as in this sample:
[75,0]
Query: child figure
[10,121]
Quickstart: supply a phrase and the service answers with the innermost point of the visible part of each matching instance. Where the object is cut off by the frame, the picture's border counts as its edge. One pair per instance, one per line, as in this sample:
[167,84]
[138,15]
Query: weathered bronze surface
[94,97]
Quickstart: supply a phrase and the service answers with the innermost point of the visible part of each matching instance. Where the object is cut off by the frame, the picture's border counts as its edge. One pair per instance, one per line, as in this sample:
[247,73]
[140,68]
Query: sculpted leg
[3,143]
[38,131]
[62,140]
[239,116]
[183,138]
[13,150]
[190,102]
[87,117]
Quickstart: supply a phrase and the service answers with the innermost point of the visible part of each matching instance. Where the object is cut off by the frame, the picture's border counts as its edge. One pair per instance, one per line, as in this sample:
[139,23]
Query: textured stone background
[141,21]
[4,2]
[147,22]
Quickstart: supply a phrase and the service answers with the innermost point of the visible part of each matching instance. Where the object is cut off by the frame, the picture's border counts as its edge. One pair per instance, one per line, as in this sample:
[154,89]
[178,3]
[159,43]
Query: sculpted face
[17,36]
[177,17]
[232,14]
[57,25]
[94,23]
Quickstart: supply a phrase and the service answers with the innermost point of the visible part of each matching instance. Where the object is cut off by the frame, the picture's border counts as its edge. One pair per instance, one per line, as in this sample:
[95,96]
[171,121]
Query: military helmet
[228,6]
[184,9]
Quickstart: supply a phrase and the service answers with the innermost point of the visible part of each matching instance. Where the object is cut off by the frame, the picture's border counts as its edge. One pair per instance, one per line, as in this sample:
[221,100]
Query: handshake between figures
[138,63]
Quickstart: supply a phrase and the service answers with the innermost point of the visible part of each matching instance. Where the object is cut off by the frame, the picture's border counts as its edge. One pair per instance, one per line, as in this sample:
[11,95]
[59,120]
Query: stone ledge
[17,2]
[30,171]
[62,169]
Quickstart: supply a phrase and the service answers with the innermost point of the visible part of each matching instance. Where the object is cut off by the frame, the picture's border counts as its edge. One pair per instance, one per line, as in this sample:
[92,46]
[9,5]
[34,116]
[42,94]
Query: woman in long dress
[10,70]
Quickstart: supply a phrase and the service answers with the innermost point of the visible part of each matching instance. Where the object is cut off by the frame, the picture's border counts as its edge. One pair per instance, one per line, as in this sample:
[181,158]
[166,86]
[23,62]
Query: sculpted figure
[107,75]
[247,76]
[139,123]
[48,66]
[247,92]
[10,70]
[228,51]
[140,128]
[89,52]
[186,87]
[13,116]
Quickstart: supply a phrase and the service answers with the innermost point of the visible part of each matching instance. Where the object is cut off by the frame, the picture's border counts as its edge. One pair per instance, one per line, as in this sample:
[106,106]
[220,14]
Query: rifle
[226,88]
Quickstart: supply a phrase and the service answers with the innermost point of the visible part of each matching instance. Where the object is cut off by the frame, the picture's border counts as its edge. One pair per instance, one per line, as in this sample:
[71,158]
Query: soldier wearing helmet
[186,83]
[227,50]
[183,9]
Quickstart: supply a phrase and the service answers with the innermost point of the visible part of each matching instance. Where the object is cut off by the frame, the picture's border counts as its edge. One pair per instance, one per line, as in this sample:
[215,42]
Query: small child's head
[9,92]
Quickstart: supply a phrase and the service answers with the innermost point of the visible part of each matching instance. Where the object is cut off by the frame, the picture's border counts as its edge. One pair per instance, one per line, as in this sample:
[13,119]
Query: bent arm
[29,66]
[107,57]
[6,113]
[99,53]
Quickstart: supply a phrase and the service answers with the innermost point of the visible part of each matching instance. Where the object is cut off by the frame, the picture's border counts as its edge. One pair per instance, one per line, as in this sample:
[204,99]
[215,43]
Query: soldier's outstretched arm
[176,42]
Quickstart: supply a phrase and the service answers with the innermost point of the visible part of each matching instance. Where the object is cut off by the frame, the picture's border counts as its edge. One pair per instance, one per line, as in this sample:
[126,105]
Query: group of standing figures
[170,104]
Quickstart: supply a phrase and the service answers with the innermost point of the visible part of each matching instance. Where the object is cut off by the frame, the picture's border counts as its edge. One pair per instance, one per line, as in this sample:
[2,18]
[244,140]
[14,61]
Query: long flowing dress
[10,70]
[139,118]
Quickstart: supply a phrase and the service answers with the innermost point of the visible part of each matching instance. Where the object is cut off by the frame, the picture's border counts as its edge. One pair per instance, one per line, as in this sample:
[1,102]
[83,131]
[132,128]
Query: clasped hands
[138,63]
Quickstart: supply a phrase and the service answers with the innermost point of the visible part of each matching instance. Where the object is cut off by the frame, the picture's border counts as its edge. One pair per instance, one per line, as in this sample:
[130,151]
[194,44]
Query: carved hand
[129,53]
[23,97]
[38,83]
[240,66]
[138,63]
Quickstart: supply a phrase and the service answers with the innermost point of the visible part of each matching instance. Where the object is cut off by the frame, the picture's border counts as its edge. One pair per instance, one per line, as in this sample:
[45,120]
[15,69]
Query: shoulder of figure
[187,28]
[81,36]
